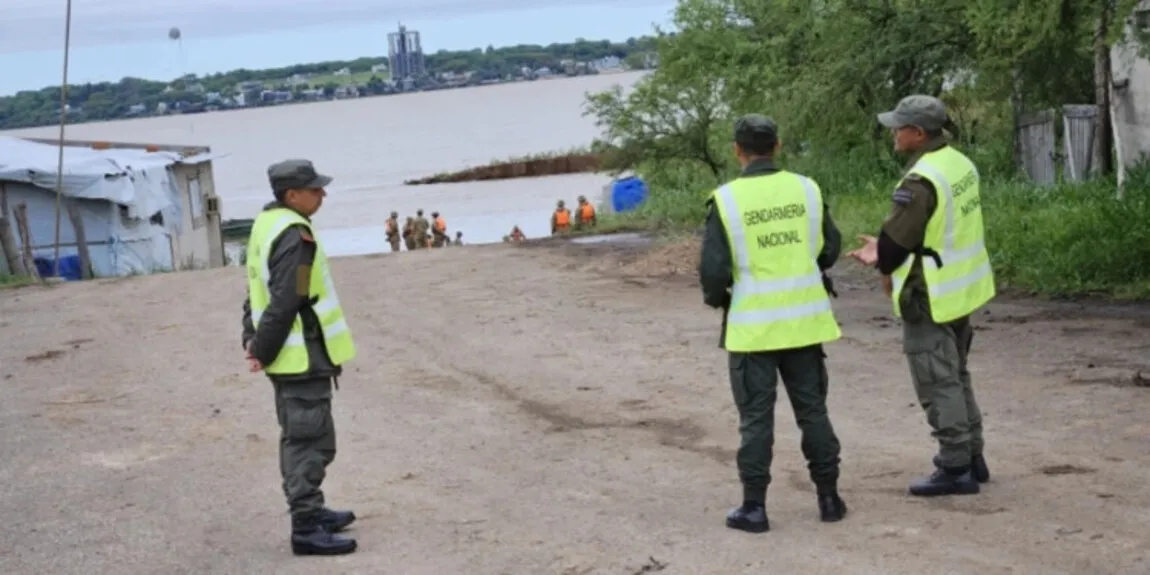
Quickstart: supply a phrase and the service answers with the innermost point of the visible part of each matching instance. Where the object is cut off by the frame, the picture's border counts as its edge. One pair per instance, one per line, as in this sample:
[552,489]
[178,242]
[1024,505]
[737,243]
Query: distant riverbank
[323,81]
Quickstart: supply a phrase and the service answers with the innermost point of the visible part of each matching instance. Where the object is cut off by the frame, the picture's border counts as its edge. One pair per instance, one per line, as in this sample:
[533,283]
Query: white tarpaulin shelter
[1130,72]
[128,201]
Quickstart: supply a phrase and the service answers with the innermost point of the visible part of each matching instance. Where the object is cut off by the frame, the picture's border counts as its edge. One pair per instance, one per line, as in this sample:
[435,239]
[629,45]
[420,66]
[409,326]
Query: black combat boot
[831,507]
[978,467]
[945,482]
[751,517]
[336,521]
[309,537]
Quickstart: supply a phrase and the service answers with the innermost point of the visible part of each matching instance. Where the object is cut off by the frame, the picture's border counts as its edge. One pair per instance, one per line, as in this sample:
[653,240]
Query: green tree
[824,70]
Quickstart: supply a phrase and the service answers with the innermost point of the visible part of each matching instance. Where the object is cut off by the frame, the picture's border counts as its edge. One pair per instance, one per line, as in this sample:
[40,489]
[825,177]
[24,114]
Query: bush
[1065,240]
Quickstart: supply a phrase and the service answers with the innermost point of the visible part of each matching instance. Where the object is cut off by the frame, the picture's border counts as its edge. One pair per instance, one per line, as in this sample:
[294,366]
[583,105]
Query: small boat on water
[236,229]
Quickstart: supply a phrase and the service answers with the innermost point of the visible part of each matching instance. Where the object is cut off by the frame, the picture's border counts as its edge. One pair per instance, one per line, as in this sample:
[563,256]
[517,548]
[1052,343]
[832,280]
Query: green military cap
[295,175]
[755,127]
[926,112]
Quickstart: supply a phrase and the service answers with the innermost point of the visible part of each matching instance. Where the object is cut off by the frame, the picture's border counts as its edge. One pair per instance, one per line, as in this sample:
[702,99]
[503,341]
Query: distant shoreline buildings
[405,54]
[404,69]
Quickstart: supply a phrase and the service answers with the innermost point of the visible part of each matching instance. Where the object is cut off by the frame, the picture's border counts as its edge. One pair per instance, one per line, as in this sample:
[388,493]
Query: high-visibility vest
[586,212]
[293,358]
[562,218]
[965,282]
[774,225]
[440,225]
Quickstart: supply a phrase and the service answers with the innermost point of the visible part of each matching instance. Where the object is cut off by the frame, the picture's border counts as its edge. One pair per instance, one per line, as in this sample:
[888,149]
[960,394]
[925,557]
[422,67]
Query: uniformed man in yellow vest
[936,270]
[768,241]
[296,333]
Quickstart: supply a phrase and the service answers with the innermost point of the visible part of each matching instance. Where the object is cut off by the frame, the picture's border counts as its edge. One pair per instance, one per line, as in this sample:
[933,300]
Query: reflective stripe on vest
[778,300]
[293,357]
[965,282]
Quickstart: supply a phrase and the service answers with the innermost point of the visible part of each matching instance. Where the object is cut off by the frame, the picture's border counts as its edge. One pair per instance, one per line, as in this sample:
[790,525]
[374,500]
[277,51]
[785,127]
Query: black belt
[923,251]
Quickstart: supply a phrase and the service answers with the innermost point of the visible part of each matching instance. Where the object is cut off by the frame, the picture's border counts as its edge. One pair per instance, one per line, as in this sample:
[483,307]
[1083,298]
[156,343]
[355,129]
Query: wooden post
[21,215]
[81,240]
[7,240]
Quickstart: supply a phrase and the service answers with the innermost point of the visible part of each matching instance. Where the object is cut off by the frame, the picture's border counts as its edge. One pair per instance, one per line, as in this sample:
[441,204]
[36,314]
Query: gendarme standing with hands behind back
[935,268]
[768,239]
[295,331]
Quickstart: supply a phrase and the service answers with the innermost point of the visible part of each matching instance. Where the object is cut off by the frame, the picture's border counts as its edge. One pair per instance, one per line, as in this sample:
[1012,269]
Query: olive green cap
[756,131]
[926,112]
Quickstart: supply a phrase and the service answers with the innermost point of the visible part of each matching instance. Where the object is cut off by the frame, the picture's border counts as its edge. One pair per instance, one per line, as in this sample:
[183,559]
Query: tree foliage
[824,68]
[111,100]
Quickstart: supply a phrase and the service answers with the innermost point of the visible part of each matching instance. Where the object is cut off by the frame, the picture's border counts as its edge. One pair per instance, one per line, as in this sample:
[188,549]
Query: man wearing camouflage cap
[769,239]
[935,267]
[294,331]
[420,230]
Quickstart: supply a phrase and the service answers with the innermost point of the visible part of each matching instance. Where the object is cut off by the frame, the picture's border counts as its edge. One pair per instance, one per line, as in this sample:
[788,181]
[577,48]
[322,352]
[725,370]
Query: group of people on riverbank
[562,221]
[419,233]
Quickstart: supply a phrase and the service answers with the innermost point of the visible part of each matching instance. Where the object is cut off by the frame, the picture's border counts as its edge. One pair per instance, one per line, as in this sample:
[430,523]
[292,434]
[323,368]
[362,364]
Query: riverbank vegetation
[14,281]
[574,161]
[824,70]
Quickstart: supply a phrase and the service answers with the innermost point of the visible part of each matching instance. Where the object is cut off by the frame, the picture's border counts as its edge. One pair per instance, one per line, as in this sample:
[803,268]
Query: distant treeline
[113,100]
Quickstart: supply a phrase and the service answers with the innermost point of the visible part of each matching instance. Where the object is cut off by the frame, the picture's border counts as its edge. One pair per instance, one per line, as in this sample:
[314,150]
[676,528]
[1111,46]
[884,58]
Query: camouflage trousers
[937,355]
[307,441]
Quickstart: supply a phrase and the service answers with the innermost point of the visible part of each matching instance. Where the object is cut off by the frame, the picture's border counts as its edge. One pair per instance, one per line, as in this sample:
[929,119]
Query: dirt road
[516,410]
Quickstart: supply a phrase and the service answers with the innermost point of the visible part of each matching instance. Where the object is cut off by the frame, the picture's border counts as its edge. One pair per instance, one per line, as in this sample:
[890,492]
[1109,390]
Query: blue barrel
[46,267]
[627,194]
[70,268]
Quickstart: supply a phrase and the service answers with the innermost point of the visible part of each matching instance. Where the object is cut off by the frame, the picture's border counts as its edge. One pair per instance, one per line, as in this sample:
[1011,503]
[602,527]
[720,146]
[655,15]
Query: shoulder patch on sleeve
[305,236]
[902,196]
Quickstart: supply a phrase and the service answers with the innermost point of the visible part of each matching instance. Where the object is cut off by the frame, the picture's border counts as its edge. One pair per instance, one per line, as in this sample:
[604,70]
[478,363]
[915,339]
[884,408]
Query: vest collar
[760,167]
[933,145]
[279,205]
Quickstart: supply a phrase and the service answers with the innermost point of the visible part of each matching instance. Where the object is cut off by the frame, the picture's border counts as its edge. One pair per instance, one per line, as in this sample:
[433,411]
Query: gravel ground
[548,409]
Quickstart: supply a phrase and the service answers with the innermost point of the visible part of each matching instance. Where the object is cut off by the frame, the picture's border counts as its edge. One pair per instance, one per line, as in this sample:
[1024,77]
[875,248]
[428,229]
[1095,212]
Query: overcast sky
[116,38]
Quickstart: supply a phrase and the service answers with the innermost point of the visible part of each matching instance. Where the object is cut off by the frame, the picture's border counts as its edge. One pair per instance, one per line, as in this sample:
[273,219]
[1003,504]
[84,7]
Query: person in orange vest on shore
[393,231]
[585,216]
[438,230]
[561,219]
[515,236]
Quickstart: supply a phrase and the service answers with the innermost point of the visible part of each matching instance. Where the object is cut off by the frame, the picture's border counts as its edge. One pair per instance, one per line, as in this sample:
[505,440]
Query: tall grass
[11,281]
[1064,240]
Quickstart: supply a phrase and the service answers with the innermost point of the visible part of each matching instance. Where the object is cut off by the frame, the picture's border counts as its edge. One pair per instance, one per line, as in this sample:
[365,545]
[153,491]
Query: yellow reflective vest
[965,281]
[774,225]
[293,358]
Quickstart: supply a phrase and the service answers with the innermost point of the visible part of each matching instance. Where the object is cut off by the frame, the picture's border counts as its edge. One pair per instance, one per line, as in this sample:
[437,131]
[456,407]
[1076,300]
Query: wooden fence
[1038,144]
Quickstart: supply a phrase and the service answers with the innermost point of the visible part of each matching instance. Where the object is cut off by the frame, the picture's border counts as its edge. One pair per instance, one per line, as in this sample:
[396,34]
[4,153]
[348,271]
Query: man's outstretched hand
[254,364]
[868,253]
